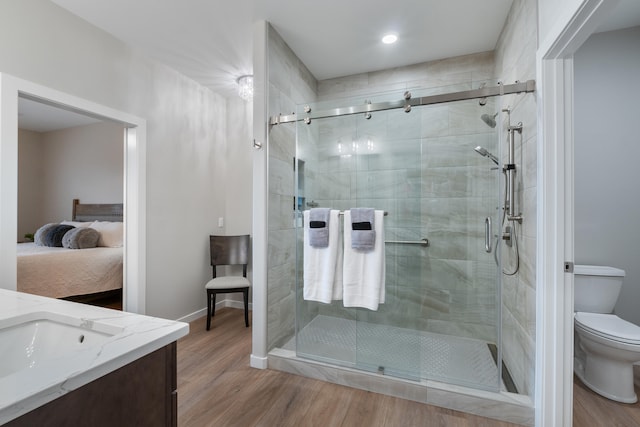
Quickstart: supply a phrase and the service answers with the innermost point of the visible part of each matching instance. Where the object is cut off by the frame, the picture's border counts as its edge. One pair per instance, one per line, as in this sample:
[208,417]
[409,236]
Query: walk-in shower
[416,158]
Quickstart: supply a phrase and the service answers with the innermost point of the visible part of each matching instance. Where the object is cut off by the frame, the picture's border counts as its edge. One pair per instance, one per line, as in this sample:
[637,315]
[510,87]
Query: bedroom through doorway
[66,156]
[71,170]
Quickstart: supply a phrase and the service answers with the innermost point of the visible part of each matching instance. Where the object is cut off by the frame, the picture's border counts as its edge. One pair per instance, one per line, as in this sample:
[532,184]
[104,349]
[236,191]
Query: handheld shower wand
[483,152]
[508,209]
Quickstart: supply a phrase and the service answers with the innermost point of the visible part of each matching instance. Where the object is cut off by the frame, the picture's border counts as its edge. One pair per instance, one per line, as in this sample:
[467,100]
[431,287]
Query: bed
[60,272]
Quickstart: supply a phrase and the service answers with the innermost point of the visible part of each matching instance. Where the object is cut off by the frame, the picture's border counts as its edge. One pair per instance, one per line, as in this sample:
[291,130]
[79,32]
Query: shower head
[489,120]
[483,152]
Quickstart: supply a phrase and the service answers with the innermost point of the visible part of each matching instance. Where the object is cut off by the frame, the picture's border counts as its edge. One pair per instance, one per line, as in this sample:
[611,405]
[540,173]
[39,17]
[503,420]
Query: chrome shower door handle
[487,234]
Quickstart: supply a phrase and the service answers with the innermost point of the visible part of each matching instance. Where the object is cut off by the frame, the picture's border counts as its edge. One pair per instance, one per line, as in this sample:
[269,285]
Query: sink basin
[29,340]
[51,347]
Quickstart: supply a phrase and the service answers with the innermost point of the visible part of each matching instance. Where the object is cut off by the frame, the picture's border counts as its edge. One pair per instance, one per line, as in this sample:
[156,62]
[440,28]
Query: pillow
[54,235]
[80,238]
[111,233]
[77,223]
[38,238]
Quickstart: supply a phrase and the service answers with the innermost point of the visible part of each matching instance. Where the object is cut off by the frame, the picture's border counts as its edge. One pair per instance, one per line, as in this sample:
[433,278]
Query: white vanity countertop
[27,389]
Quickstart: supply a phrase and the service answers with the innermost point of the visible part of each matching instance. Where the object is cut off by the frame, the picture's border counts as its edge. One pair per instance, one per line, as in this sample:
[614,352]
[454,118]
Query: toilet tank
[596,288]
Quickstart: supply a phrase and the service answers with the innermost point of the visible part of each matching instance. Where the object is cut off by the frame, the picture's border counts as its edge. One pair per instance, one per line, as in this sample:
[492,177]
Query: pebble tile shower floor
[398,352]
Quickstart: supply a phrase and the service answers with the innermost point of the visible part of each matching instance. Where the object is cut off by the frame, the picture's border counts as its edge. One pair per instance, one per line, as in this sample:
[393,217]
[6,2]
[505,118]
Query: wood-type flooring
[217,387]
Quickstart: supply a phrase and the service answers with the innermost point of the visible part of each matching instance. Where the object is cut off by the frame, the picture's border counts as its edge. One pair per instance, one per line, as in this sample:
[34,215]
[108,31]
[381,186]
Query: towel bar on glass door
[341,213]
[423,242]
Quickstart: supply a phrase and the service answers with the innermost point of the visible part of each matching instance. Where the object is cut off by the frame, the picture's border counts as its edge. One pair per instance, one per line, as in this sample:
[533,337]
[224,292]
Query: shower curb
[502,406]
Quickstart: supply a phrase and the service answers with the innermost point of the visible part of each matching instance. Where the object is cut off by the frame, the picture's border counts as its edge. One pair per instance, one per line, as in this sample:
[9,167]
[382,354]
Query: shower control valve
[506,235]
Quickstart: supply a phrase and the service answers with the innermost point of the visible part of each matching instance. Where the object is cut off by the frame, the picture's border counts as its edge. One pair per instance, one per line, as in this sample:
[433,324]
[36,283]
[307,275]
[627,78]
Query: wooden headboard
[96,212]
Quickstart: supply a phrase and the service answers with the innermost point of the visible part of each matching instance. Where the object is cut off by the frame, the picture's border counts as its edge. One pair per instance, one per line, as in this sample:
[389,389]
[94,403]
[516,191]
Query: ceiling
[625,15]
[211,41]
[39,117]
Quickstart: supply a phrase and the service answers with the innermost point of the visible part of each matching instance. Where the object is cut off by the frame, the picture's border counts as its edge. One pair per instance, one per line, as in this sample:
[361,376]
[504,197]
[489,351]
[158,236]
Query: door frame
[134,262]
[555,221]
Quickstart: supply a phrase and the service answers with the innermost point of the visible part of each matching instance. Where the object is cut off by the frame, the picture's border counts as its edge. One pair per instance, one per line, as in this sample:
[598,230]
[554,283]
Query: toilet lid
[609,326]
[597,270]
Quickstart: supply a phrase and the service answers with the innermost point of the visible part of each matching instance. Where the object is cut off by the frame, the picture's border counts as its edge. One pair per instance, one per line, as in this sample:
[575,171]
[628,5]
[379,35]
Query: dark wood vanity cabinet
[142,393]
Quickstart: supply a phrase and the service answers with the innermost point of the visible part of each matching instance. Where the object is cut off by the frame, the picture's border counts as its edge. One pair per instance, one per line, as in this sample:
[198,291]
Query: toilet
[606,346]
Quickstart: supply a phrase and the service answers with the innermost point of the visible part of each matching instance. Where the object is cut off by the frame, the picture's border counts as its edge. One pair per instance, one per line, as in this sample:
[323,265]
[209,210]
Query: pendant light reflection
[245,87]
[357,146]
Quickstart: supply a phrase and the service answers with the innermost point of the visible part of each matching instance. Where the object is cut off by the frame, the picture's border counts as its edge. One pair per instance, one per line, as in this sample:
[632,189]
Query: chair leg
[213,303]
[246,307]
[208,309]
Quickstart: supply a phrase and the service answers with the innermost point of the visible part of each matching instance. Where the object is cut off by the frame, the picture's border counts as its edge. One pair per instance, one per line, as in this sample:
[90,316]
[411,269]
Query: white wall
[186,135]
[607,154]
[29,180]
[238,182]
[239,177]
[84,162]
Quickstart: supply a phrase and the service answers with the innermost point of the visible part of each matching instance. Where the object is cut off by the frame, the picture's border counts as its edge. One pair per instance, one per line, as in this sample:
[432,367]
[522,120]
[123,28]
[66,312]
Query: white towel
[323,266]
[364,272]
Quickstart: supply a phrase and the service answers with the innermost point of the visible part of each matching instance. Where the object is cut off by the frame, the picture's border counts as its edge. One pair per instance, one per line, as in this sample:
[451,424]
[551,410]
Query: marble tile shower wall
[290,83]
[448,74]
[515,60]
[421,168]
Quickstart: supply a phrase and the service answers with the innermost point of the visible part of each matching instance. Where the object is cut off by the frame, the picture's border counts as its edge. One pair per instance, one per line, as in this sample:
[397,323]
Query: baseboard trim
[193,316]
[220,304]
[259,362]
[235,304]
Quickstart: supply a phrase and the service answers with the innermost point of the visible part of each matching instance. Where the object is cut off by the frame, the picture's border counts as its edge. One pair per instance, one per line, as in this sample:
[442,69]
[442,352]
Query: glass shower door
[342,163]
[324,331]
[441,313]
[388,177]
[460,209]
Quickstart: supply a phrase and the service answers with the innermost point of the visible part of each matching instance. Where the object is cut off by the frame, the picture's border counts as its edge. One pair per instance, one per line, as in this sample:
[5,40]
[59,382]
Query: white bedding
[61,272]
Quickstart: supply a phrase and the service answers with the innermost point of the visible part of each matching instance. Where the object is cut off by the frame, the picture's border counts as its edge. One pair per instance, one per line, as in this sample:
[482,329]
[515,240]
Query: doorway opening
[133,192]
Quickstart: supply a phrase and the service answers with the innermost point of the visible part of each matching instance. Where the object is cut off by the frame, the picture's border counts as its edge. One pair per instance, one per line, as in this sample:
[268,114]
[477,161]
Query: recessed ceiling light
[389,38]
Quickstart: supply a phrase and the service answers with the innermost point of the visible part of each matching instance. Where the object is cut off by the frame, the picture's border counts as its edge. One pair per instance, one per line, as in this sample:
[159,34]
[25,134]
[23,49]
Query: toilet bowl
[611,346]
[606,345]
